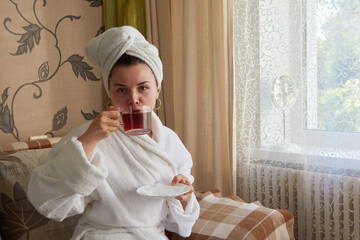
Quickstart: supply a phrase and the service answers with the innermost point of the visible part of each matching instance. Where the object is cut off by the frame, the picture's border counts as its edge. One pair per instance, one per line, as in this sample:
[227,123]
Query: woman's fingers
[103,125]
[184,197]
[180,179]
[115,114]
[110,122]
[113,108]
[184,180]
[112,113]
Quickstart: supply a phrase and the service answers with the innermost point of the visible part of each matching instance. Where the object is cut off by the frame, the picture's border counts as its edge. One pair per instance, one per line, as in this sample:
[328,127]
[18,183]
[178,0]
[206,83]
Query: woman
[96,168]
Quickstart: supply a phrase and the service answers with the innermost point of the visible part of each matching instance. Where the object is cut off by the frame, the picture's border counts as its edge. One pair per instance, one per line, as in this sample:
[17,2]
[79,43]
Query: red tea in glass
[136,120]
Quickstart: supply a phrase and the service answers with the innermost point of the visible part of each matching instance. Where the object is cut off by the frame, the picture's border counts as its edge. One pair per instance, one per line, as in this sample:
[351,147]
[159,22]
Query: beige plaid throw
[232,218]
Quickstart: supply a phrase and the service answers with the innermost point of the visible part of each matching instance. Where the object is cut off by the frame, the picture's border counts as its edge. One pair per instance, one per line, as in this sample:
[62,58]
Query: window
[310,73]
[333,38]
[331,63]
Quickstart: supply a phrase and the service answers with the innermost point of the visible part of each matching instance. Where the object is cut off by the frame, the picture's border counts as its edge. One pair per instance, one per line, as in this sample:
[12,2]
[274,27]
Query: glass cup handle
[120,118]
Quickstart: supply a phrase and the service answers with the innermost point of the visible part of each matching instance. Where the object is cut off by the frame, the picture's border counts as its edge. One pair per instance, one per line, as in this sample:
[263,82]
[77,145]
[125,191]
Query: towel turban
[105,49]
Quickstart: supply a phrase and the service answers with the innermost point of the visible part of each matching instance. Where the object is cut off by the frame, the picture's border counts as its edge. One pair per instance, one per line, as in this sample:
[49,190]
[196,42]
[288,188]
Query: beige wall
[50,38]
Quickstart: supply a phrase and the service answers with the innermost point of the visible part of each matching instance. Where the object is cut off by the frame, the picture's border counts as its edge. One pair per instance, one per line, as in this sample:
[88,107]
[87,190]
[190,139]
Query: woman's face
[133,85]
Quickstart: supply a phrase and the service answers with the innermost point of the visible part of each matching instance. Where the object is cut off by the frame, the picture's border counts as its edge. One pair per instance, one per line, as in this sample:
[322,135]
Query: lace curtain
[297,88]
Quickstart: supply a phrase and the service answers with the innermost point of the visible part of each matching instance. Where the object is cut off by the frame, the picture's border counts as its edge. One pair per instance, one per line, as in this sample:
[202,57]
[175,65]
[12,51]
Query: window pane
[337,101]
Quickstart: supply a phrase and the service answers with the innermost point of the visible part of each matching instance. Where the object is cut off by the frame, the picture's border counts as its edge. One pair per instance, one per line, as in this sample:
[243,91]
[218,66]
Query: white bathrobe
[104,188]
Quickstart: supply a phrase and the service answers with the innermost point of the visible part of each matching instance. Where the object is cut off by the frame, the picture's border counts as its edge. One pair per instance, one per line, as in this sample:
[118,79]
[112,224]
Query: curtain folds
[195,43]
[158,20]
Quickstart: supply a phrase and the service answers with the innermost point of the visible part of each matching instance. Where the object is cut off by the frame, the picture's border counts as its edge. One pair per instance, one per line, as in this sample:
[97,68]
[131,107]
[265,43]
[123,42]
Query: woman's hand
[184,180]
[101,127]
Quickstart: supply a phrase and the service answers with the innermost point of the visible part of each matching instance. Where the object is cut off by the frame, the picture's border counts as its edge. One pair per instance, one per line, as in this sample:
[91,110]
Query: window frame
[308,95]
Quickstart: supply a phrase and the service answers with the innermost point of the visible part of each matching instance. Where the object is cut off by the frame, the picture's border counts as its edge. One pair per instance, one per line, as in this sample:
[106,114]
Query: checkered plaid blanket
[232,218]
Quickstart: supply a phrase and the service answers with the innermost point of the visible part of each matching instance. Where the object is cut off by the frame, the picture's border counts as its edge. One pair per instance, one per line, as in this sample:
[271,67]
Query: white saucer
[162,190]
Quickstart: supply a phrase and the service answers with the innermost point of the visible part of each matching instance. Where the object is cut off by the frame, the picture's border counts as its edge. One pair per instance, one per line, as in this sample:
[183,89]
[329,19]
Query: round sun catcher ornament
[284,96]
[284,92]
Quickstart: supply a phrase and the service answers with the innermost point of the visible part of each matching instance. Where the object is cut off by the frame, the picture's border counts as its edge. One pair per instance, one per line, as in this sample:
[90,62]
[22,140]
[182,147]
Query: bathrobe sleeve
[179,220]
[65,183]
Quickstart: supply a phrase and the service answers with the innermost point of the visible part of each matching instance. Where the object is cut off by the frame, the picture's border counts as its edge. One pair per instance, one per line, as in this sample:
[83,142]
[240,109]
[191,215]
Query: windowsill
[292,154]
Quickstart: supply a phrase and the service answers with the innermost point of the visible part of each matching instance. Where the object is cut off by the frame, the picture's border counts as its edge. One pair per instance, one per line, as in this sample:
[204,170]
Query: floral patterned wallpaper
[47,85]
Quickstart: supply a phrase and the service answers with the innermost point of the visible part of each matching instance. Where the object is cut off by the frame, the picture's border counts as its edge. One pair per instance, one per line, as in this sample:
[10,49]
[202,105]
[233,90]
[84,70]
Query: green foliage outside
[339,108]
[339,68]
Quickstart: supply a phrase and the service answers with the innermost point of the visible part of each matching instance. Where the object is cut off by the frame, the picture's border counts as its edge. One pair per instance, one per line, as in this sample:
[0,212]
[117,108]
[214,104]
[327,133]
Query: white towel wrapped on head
[105,49]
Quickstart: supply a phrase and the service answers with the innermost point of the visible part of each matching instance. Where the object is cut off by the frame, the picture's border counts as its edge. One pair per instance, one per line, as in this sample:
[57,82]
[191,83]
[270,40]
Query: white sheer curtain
[297,88]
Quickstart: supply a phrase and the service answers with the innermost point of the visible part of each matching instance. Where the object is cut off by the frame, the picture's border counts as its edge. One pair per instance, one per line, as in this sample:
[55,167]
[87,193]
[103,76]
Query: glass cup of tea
[136,120]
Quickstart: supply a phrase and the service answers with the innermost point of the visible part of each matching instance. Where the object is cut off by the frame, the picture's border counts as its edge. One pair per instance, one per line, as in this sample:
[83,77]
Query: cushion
[32,144]
[18,218]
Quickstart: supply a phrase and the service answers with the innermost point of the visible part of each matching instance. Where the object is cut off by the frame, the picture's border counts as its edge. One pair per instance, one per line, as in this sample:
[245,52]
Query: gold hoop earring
[156,103]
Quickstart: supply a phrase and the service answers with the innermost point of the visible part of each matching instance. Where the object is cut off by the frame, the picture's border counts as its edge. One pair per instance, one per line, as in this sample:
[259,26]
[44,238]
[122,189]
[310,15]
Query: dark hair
[128,60]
